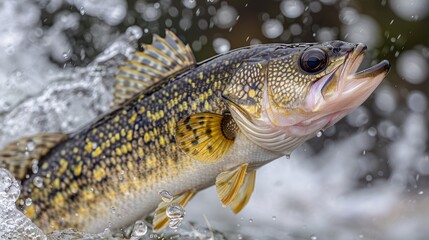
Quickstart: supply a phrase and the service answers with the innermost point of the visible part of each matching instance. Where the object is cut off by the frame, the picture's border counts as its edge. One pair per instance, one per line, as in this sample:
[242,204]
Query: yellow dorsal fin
[19,155]
[164,57]
[245,192]
[206,137]
[160,220]
[228,184]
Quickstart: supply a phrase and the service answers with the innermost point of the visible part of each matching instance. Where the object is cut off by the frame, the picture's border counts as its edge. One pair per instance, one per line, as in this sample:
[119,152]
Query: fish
[181,126]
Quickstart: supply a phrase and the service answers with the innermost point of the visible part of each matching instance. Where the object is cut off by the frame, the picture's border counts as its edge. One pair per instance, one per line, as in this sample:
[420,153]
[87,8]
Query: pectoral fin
[245,192]
[229,183]
[160,219]
[206,137]
[18,156]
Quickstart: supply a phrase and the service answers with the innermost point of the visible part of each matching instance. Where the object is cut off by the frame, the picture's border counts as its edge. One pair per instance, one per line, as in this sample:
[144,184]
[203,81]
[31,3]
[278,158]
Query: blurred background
[364,178]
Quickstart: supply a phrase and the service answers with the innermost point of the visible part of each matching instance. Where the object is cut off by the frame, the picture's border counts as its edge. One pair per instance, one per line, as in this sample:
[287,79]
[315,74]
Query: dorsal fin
[164,57]
[19,155]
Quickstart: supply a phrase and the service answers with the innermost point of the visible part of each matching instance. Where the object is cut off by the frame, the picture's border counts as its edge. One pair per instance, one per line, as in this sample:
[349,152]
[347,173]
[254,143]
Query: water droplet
[292,8]
[421,192]
[368,178]
[319,133]
[134,32]
[34,168]
[189,3]
[417,101]
[82,11]
[226,17]
[250,220]
[348,16]
[166,196]
[140,229]
[175,211]
[364,152]
[113,209]
[287,156]
[239,236]
[313,237]
[151,13]
[174,223]
[272,28]
[28,201]
[66,55]
[30,146]
[274,218]
[38,182]
[9,188]
[372,131]
[221,45]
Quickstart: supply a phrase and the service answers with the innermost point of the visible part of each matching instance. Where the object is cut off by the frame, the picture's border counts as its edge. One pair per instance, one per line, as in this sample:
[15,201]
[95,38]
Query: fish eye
[313,60]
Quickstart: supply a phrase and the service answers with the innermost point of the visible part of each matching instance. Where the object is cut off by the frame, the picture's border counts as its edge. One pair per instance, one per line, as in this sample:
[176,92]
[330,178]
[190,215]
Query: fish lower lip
[380,68]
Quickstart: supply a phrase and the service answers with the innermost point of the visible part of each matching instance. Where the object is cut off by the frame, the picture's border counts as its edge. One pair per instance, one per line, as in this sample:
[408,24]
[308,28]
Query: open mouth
[355,60]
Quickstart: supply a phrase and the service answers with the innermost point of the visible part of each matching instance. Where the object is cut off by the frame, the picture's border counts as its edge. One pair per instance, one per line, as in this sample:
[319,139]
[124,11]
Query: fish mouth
[371,77]
[345,88]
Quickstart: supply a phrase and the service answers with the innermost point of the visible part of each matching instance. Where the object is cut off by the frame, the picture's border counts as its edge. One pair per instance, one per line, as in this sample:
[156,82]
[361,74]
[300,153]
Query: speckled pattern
[128,149]
[132,149]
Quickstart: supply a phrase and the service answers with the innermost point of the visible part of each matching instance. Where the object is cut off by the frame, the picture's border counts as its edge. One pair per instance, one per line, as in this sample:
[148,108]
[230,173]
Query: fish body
[191,129]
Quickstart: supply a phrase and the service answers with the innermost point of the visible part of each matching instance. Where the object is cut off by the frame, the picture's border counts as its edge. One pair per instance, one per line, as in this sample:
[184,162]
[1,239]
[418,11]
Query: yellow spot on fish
[96,152]
[99,173]
[56,183]
[74,187]
[123,133]
[124,149]
[75,150]
[118,152]
[130,165]
[129,147]
[161,141]
[130,135]
[146,137]
[30,212]
[63,166]
[133,118]
[252,93]
[140,152]
[59,199]
[78,170]
[88,195]
[206,106]
[88,147]
[201,75]
[117,137]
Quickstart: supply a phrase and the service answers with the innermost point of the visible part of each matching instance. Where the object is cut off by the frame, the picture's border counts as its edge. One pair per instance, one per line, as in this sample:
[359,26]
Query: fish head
[288,93]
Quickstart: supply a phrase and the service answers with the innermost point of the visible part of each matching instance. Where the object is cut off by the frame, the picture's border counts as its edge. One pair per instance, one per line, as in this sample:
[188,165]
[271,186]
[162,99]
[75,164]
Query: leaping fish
[183,126]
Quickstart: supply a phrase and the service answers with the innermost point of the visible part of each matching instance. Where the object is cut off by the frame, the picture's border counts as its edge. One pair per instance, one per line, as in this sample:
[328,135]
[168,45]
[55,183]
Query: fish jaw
[352,88]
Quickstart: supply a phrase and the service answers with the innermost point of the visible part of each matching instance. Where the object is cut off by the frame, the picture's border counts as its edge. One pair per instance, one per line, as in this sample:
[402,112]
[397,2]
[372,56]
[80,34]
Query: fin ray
[164,57]
[243,196]
[229,183]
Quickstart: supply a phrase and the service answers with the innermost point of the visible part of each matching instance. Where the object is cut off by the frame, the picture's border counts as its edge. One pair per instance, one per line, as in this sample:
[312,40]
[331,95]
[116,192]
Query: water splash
[13,223]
